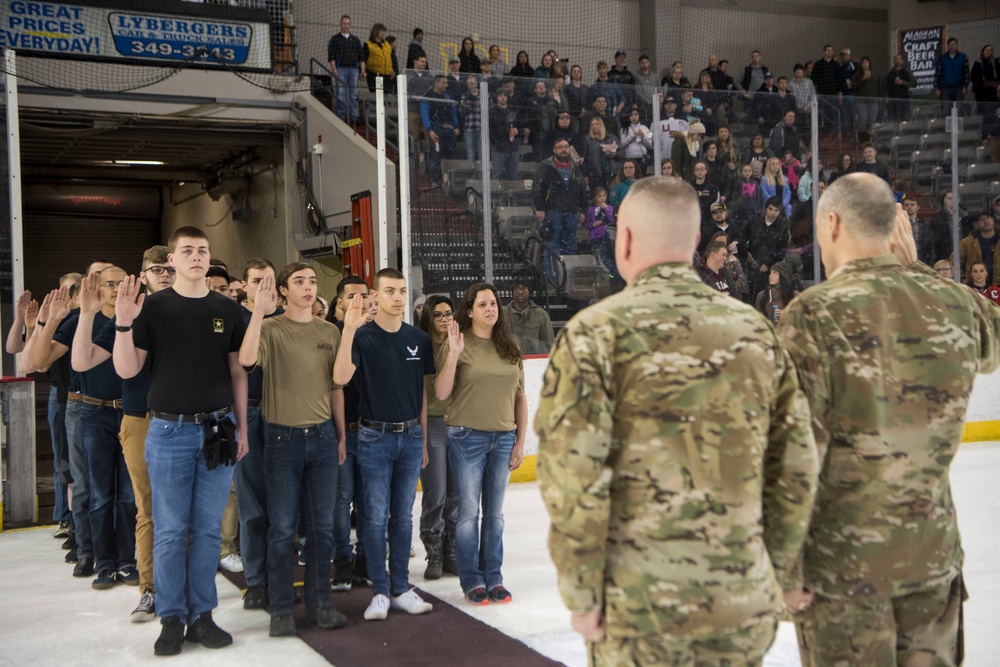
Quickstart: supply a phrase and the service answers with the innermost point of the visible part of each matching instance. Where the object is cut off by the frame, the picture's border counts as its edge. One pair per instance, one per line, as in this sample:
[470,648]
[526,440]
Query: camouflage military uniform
[887,356]
[669,413]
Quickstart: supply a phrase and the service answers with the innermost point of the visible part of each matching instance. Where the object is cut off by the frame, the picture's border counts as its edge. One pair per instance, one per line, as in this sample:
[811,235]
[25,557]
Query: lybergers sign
[170,31]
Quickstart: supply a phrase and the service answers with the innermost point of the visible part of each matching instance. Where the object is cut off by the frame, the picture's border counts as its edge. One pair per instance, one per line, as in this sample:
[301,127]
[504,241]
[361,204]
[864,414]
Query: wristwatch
[119,327]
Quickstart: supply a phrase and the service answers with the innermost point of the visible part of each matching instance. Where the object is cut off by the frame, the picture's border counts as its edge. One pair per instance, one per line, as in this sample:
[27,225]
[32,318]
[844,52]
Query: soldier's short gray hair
[864,203]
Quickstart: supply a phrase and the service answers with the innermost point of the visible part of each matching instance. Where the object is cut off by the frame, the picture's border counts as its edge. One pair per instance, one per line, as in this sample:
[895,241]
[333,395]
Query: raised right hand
[59,305]
[31,316]
[21,307]
[128,305]
[456,339]
[267,296]
[90,294]
[355,314]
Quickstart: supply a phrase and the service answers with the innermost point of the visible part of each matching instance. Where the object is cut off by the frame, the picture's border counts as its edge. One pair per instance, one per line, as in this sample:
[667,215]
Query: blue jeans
[81,481]
[471,140]
[188,502]
[60,457]
[347,94]
[480,462]
[390,466]
[300,462]
[505,164]
[251,499]
[349,489]
[112,503]
[563,240]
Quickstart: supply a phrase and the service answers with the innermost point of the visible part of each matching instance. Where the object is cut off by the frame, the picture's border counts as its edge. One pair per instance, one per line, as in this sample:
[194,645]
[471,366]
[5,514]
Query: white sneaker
[411,603]
[231,563]
[378,609]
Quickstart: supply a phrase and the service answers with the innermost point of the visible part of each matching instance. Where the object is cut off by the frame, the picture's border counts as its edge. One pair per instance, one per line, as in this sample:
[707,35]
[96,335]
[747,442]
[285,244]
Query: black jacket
[550,192]
[766,244]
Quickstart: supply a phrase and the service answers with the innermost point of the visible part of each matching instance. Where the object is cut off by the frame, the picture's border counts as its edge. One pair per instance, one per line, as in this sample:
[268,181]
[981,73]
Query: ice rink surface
[49,618]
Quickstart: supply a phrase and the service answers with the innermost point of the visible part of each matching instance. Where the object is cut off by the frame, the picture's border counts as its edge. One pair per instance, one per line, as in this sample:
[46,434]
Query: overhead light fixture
[146,162]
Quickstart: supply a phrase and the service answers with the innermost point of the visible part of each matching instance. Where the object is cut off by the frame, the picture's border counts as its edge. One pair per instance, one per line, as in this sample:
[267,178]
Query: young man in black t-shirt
[389,358]
[192,338]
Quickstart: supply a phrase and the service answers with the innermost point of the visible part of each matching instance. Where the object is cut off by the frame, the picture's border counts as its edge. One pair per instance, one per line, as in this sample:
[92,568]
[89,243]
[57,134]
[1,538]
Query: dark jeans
[563,240]
[480,461]
[60,457]
[188,502]
[505,164]
[445,148]
[251,499]
[349,489]
[112,504]
[80,478]
[300,461]
[898,109]
[949,96]
[390,465]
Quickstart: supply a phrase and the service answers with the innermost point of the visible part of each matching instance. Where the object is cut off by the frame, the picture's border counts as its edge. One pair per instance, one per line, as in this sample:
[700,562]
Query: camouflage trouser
[745,648]
[922,629]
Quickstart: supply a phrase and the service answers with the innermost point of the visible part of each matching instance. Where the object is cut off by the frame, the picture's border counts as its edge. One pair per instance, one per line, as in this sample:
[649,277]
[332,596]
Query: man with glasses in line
[112,509]
[156,275]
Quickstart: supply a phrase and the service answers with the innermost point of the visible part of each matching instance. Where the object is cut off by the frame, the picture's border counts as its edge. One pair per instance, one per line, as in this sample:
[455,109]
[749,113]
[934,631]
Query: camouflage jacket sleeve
[574,425]
[803,350]
[791,471]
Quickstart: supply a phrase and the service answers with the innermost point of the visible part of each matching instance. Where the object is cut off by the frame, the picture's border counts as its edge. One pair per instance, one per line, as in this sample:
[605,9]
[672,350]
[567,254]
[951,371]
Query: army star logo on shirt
[218,325]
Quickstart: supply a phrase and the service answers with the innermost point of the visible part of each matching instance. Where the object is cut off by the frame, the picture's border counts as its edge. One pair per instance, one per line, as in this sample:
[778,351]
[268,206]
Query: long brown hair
[507,347]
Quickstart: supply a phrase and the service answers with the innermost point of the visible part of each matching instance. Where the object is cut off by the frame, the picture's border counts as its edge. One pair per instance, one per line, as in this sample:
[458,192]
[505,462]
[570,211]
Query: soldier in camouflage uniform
[887,352]
[676,459]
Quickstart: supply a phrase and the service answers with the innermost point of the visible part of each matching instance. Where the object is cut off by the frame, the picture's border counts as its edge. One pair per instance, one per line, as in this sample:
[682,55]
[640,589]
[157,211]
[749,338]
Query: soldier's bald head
[863,202]
[663,217]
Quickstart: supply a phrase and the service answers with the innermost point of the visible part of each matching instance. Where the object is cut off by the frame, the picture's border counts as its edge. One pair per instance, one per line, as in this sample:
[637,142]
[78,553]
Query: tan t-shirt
[485,386]
[435,408]
[297,358]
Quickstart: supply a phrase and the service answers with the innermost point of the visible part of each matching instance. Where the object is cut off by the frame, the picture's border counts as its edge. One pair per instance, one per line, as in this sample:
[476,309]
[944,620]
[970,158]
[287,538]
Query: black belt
[390,427]
[352,426]
[199,418]
[253,402]
[138,415]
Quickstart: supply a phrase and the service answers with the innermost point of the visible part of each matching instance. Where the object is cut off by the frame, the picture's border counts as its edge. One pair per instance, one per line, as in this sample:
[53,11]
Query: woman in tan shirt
[481,376]
[440,499]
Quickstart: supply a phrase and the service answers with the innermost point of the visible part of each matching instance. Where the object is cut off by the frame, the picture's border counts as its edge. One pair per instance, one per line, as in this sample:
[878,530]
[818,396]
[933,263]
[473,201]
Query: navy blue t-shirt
[255,378]
[352,398]
[101,381]
[134,389]
[391,369]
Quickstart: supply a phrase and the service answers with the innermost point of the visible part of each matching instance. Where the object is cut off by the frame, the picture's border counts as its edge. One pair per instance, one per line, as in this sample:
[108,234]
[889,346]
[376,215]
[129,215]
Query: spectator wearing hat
[528,321]
[456,80]
[718,222]
[684,152]
[671,122]
[623,80]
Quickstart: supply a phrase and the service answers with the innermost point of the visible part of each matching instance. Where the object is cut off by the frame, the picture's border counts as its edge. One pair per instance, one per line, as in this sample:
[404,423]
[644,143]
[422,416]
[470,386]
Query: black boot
[450,560]
[432,543]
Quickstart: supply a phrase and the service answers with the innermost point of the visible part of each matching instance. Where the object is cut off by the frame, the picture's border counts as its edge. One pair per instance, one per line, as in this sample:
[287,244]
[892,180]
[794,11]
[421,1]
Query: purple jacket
[597,231]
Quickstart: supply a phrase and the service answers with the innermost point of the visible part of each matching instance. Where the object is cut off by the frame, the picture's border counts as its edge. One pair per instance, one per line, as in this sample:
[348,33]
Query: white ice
[49,618]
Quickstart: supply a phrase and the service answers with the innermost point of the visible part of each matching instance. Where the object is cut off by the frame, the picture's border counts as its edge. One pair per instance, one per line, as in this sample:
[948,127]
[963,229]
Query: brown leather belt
[80,398]
[353,426]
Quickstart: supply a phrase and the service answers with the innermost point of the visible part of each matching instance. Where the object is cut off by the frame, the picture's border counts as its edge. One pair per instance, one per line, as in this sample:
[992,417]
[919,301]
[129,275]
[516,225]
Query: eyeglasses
[158,270]
[112,285]
[446,315]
